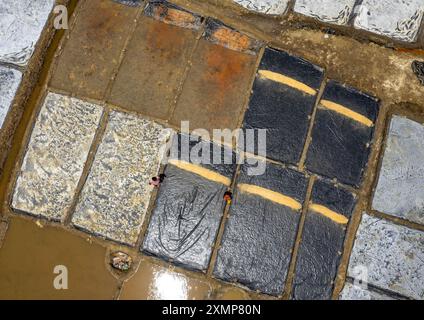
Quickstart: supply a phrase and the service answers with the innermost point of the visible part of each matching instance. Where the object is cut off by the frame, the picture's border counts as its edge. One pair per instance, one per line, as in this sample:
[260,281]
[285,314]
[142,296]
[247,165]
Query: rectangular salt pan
[55,156]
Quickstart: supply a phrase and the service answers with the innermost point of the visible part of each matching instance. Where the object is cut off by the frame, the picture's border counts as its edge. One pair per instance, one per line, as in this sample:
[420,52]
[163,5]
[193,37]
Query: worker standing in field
[156,181]
[228,197]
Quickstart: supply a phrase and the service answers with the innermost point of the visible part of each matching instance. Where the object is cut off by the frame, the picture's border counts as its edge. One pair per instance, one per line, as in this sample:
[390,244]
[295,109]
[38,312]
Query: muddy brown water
[154,282]
[30,254]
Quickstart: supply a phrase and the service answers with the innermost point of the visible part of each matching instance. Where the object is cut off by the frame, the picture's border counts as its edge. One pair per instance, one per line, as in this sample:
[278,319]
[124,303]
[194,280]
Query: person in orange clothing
[228,197]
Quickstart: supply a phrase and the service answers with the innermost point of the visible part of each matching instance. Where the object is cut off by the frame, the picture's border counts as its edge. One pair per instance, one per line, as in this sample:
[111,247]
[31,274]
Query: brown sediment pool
[30,253]
[154,282]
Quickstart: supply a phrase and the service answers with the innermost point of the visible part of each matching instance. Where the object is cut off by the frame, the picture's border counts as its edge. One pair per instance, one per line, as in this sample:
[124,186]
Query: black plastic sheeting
[293,67]
[276,178]
[355,100]
[189,208]
[186,219]
[259,235]
[418,69]
[214,157]
[339,144]
[283,110]
[322,243]
[335,198]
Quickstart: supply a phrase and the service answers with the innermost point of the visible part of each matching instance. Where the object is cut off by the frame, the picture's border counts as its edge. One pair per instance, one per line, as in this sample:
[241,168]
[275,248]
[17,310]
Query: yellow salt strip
[203,172]
[277,77]
[347,112]
[336,217]
[271,195]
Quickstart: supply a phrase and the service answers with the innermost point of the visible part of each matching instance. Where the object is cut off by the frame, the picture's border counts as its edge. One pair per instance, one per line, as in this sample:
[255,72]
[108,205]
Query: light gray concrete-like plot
[400,188]
[55,156]
[397,19]
[273,7]
[392,257]
[353,292]
[21,24]
[331,11]
[9,83]
[116,195]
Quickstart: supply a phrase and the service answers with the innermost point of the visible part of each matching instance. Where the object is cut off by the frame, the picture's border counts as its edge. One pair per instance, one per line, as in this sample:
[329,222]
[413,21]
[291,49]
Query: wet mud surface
[213,94]
[152,71]
[93,51]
